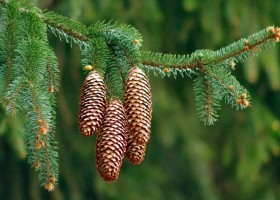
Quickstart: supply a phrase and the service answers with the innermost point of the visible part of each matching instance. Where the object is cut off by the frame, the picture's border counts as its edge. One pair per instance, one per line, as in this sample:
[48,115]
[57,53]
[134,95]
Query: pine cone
[138,106]
[92,104]
[135,153]
[111,142]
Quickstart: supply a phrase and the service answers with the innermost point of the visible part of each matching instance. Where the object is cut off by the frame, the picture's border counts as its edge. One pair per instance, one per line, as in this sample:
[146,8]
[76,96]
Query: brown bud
[232,65]
[239,101]
[36,165]
[271,29]
[244,96]
[277,32]
[88,67]
[231,88]
[136,42]
[166,70]
[52,179]
[40,121]
[51,89]
[39,145]
[245,103]
[49,186]
[246,47]
[44,129]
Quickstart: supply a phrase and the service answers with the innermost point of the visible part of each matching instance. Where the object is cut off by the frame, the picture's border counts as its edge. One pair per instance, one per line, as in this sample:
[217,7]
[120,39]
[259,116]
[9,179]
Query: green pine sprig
[31,73]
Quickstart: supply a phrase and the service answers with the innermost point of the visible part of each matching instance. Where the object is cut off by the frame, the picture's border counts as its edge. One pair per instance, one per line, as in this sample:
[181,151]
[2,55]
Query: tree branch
[160,62]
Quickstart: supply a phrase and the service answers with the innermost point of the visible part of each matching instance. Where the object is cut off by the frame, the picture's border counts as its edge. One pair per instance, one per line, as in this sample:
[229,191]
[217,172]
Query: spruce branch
[9,38]
[29,71]
[96,54]
[227,85]
[65,28]
[32,79]
[238,51]
[52,71]
[207,99]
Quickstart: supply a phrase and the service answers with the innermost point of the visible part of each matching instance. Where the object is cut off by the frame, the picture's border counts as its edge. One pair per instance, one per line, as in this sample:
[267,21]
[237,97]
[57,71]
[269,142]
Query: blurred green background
[237,158]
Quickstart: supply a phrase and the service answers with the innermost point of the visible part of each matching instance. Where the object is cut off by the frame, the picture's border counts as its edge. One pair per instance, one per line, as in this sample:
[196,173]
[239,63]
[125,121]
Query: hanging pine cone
[135,153]
[138,105]
[92,104]
[111,142]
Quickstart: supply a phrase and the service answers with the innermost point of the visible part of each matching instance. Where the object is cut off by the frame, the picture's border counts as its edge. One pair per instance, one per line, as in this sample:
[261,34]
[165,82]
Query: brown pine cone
[138,105]
[111,142]
[135,153]
[92,104]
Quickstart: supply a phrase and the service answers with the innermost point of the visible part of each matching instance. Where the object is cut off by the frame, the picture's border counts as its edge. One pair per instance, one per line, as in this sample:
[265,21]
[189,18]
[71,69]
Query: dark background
[237,158]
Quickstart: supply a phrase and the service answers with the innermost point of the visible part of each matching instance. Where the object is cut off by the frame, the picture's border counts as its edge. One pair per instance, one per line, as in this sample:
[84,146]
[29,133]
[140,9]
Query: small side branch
[208,100]
[260,40]
[41,144]
[65,29]
[14,102]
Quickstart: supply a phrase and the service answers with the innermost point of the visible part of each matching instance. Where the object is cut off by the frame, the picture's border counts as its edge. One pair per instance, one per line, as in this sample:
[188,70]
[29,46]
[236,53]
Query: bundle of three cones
[123,129]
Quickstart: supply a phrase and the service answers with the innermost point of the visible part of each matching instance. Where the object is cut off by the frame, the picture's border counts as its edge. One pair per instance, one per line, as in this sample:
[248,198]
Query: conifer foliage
[29,79]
